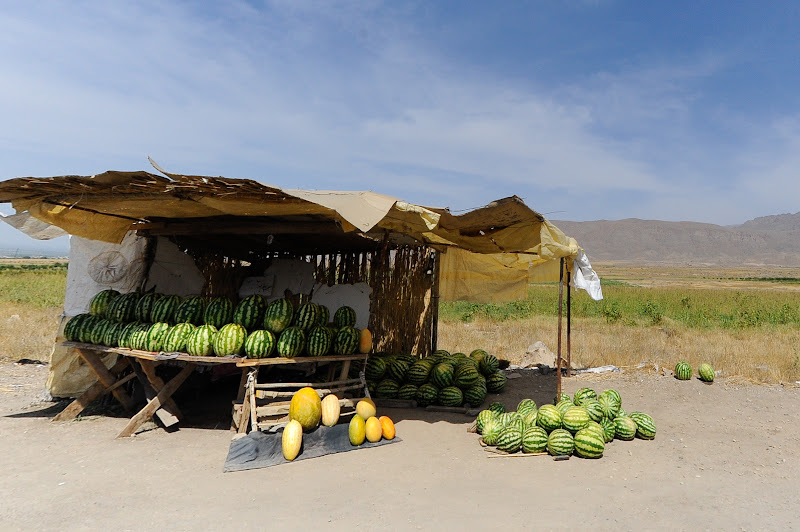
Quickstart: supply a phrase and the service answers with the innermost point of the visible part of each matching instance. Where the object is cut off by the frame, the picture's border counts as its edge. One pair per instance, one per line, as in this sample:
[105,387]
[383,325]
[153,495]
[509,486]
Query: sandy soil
[725,458]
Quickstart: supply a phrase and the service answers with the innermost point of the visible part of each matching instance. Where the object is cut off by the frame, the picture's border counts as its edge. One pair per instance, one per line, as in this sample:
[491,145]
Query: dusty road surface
[726,457]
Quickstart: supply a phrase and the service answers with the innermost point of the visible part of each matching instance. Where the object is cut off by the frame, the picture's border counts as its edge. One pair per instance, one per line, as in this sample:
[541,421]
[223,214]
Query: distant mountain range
[769,240]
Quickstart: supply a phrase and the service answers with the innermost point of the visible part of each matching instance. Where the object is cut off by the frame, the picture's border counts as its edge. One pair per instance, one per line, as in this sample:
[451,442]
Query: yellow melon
[366,408]
[365,341]
[373,429]
[357,430]
[330,410]
[387,426]
[306,408]
[292,440]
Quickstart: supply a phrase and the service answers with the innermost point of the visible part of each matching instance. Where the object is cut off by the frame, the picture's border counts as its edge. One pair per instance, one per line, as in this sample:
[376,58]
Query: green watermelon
[442,375]
[534,440]
[510,439]
[72,327]
[249,313]
[176,337]
[291,342]
[218,312]
[560,443]
[387,389]
[426,394]
[589,444]
[497,408]
[155,336]
[683,371]
[164,309]
[397,369]
[111,336]
[594,409]
[306,316]
[706,372]
[229,340]
[419,371]
[491,431]
[475,395]
[575,418]
[496,382]
[609,404]
[483,415]
[561,397]
[376,368]
[259,344]
[584,394]
[323,315]
[407,392]
[563,405]
[465,376]
[278,315]
[609,429]
[122,307]
[488,364]
[344,317]
[548,417]
[450,396]
[525,406]
[190,310]
[645,427]
[98,330]
[138,338]
[319,341]
[124,338]
[144,306]
[625,428]
[100,302]
[200,342]
[346,341]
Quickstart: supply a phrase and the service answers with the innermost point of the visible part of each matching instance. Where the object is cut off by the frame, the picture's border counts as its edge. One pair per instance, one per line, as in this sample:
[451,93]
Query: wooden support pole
[569,326]
[560,306]
[167,417]
[94,391]
[147,412]
[106,377]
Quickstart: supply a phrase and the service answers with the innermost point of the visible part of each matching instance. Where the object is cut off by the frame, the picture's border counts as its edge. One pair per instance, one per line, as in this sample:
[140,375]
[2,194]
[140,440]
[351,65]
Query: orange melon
[366,408]
[292,440]
[387,427]
[365,341]
[306,408]
[330,410]
[357,430]
[373,430]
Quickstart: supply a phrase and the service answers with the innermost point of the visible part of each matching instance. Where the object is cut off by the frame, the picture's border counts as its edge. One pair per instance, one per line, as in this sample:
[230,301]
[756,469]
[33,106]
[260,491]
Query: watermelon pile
[582,425]
[442,378]
[203,326]
[683,372]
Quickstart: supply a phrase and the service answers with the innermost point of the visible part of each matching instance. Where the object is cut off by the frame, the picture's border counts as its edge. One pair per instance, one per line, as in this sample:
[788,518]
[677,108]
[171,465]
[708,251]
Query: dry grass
[27,331]
[766,355]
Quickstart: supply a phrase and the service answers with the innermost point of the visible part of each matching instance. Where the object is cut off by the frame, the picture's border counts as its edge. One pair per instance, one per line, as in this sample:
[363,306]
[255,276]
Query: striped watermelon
[72,327]
[488,364]
[397,369]
[323,315]
[477,354]
[259,344]
[683,371]
[346,341]
[575,418]
[291,342]
[387,389]
[525,406]
[419,371]
[594,409]
[427,394]
[465,376]
[164,309]
[155,336]
[624,428]
[306,316]
[249,313]
[229,340]
[491,431]
[561,397]
[530,418]
[99,303]
[144,306]
[459,356]
[320,341]
[344,317]
[622,413]
[190,310]
[450,396]
[584,394]
[496,382]
[548,417]
[376,368]
[560,443]
[407,392]
[589,444]
[645,426]
[111,336]
[609,429]
[175,340]
[609,403]
[122,307]
[563,405]
[138,339]
[597,428]
[483,415]
[442,375]
[98,330]
[124,338]
[475,395]
[514,419]
[218,312]
[278,315]
[497,407]
[510,439]
[534,440]
[86,328]
[200,342]
[706,372]
[614,393]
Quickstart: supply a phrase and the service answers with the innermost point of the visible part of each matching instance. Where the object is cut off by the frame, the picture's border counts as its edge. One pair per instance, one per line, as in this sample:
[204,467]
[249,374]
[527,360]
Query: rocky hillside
[769,240]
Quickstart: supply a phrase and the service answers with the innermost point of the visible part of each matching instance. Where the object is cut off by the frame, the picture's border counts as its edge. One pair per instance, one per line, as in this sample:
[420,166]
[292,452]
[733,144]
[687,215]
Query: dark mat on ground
[263,449]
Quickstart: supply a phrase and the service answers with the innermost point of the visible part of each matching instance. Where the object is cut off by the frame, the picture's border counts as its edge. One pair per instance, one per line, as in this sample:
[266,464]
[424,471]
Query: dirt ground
[725,458]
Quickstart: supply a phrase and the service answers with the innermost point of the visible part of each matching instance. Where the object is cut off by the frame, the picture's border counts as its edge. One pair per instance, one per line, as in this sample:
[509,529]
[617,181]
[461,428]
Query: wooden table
[159,394]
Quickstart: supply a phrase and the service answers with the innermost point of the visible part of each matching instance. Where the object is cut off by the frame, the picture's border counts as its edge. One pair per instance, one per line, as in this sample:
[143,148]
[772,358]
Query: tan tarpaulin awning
[494,246]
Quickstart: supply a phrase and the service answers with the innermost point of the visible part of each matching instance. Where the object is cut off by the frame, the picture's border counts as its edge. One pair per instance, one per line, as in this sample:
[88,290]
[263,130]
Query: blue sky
[586,109]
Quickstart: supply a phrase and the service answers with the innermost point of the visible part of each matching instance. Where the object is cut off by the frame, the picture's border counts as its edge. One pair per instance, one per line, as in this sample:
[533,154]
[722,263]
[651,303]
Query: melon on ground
[306,408]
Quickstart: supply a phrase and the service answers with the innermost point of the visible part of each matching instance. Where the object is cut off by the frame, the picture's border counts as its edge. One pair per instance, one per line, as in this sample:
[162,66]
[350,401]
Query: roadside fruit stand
[197,270]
